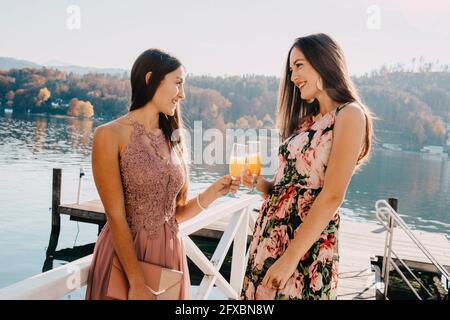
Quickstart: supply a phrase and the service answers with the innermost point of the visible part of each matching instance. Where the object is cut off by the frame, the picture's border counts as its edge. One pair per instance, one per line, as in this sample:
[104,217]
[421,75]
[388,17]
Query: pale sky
[224,37]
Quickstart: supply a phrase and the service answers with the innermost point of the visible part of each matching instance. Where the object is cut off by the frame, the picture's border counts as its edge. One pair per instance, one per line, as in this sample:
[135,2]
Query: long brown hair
[327,58]
[160,63]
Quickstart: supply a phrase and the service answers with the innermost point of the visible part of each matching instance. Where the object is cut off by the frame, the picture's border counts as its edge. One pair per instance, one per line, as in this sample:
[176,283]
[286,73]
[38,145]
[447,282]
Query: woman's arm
[349,133]
[219,188]
[106,171]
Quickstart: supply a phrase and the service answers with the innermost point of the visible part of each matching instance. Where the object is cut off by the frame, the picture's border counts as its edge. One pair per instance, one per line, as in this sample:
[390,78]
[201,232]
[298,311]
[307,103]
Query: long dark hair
[159,63]
[327,58]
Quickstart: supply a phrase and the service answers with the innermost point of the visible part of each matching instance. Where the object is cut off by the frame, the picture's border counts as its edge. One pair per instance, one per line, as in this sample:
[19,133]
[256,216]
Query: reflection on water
[421,182]
[30,147]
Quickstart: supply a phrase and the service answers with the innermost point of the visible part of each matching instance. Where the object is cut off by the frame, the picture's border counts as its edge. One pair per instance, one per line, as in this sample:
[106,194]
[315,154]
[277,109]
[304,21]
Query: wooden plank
[399,241]
[86,215]
[353,294]
[398,237]
[355,248]
[441,254]
[375,228]
[356,253]
[417,265]
[344,274]
[92,205]
[442,250]
[88,211]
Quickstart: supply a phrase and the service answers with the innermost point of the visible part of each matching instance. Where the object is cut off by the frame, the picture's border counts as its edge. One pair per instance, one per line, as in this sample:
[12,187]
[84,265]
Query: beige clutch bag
[163,283]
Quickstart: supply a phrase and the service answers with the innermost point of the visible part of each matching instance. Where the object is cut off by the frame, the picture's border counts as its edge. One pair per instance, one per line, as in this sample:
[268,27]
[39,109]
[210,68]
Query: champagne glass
[254,162]
[237,163]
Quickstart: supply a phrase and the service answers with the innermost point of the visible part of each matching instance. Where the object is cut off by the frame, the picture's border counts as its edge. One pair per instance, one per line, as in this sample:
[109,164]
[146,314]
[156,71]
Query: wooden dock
[359,242]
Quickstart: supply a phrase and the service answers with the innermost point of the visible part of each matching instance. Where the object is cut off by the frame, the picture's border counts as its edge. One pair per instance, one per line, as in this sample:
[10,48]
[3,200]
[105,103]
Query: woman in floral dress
[326,132]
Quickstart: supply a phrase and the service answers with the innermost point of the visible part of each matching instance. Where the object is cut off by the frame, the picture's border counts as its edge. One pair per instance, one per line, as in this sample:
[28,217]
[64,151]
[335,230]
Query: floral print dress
[303,159]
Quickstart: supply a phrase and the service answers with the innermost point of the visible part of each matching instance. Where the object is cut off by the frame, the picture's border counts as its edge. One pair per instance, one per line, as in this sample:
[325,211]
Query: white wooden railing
[57,283]
[390,219]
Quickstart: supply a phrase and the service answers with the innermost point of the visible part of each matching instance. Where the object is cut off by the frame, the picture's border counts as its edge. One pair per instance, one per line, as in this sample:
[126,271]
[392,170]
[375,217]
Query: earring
[319,84]
[147,77]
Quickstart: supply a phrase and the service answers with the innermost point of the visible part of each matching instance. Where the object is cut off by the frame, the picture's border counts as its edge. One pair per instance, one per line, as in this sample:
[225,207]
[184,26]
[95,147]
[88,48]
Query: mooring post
[56,218]
[393,202]
[100,227]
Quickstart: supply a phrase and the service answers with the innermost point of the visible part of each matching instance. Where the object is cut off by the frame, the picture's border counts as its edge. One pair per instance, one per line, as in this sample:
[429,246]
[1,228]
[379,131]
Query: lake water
[31,146]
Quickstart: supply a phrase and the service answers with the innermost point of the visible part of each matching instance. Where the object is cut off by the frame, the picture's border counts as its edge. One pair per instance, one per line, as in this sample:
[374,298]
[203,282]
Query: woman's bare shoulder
[114,131]
[352,112]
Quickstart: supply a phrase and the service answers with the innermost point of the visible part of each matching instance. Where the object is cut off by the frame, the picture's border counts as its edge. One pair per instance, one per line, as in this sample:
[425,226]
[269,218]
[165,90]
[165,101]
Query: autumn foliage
[79,108]
[412,106]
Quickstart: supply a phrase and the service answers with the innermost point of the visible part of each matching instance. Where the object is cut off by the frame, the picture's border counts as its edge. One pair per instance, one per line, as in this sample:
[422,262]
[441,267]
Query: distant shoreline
[57,116]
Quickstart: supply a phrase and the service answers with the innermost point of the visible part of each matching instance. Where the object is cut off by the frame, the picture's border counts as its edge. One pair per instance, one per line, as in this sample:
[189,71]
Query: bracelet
[198,202]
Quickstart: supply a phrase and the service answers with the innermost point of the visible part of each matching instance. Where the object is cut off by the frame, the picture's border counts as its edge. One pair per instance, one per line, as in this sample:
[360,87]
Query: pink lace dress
[152,176]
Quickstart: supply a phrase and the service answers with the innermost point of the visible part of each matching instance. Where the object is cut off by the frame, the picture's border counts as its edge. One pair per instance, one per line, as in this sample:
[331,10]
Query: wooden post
[100,227]
[56,218]
[393,202]
[56,198]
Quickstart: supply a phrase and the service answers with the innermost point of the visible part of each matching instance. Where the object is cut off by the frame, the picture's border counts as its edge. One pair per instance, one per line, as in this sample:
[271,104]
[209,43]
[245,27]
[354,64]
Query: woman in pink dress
[326,132]
[142,179]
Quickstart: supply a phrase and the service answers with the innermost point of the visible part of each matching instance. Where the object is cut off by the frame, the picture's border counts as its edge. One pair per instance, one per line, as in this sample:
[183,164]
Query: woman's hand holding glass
[225,185]
[237,164]
[253,162]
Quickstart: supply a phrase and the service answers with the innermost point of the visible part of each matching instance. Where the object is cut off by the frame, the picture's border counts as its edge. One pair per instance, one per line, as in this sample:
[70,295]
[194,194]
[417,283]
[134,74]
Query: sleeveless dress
[151,176]
[303,159]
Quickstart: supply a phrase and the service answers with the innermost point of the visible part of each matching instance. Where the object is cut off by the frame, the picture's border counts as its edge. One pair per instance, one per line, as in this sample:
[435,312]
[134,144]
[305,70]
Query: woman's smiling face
[170,92]
[303,75]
